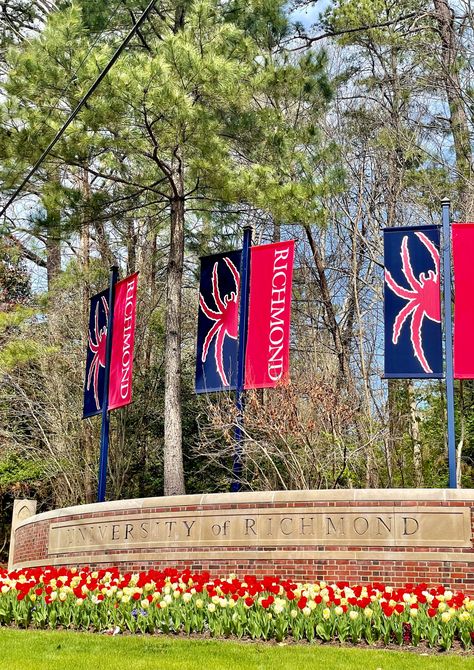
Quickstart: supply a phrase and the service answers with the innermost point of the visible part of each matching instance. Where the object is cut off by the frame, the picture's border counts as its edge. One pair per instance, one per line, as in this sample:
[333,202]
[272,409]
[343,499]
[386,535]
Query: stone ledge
[253,498]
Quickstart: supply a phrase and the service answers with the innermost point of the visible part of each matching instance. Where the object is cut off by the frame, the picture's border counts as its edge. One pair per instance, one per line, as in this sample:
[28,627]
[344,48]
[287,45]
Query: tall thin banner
[121,363]
[96,350]
[412,303]
[268,335]
[463,256]
[218,322]
[123,340]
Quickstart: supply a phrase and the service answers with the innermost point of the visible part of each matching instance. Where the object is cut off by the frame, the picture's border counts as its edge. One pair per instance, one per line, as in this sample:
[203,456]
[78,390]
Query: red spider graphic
[98,348]
[226,318]
[423,298]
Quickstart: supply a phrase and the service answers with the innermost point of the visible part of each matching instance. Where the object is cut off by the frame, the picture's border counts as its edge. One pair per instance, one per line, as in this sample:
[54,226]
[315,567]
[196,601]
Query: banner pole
[239,391]
[104,429]
[448,333]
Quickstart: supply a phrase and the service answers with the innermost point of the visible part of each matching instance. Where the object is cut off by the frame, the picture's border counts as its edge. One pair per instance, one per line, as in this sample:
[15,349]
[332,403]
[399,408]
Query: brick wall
[395,565]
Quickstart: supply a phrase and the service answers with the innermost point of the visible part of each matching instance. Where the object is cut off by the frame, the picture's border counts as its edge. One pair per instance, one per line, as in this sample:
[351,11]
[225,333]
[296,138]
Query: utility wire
[79,106]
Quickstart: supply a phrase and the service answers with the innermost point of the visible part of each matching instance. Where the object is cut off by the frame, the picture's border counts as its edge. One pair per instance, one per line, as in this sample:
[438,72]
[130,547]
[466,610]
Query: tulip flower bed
[172,601]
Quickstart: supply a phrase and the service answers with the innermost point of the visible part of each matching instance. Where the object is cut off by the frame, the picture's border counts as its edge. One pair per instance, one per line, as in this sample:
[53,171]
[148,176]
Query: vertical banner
[96,354]
[218,322]
[463,257]
[412,303]
[123,340]
[268,334]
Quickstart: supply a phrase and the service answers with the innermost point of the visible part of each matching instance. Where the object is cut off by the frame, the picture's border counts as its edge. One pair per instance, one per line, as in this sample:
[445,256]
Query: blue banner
[412,303]
[218,322]
[96,350]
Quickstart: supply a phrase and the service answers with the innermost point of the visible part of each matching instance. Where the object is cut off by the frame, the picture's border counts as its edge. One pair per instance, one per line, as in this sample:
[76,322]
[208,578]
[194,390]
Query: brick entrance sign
[391,535]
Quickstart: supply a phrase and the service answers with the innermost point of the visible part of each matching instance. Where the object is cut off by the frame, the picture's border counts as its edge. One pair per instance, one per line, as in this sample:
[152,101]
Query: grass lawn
[46,650]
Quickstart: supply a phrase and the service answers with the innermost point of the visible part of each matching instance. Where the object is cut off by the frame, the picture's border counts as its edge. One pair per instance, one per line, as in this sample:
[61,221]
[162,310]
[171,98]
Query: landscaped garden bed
[269,608]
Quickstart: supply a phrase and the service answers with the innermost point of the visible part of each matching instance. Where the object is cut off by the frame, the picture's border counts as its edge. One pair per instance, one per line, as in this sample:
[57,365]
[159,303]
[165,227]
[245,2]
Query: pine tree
[189,117]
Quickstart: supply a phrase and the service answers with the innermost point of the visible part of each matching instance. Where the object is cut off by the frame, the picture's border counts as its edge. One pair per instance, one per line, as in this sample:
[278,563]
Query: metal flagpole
[239,391]
[104,430]
[448,334]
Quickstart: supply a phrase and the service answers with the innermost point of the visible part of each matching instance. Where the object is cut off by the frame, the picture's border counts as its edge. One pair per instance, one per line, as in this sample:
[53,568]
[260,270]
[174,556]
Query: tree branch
[27,253]
[338,33]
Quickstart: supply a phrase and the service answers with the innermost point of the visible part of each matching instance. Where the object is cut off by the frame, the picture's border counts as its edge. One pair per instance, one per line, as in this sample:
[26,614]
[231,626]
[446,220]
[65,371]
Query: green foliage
[18,345]
[372,21]
[261,134]
[198,87]
[15,286]
[16,471]
[19,352]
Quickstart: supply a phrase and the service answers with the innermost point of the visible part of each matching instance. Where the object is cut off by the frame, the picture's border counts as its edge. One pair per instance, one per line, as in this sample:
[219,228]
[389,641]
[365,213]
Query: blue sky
[309,15]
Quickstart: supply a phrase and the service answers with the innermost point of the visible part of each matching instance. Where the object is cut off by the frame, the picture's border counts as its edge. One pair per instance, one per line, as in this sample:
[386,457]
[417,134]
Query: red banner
[268,335]
[123,339]
[463,253]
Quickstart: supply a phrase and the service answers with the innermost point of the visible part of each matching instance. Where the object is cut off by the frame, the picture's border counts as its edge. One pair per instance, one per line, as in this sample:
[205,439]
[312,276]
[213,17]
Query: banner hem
[412,376]
[214,390]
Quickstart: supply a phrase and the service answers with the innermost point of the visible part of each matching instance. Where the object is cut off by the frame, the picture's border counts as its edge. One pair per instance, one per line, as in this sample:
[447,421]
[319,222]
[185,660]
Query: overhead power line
[79,106]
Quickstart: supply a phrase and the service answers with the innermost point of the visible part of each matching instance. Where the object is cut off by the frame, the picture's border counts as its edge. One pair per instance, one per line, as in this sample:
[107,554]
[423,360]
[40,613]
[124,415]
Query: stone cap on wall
[348,496]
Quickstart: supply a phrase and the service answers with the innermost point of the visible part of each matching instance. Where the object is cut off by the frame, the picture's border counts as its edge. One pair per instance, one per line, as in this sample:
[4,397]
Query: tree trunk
[88,444]
[415,437]
[395,423]
[463,432]
[53,253]
[173,453]
[52,234]
[131,247]
[149,282]
[331,320]
[103,244]
[458,116]
[276,232]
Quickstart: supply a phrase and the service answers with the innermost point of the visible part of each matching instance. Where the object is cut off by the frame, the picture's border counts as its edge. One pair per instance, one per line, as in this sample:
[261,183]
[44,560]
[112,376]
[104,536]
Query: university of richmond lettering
[247,529]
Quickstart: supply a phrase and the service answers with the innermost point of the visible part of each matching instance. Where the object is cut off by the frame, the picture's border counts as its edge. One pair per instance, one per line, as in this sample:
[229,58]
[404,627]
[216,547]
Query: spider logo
[423,297]
[98,349]
[225,318]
